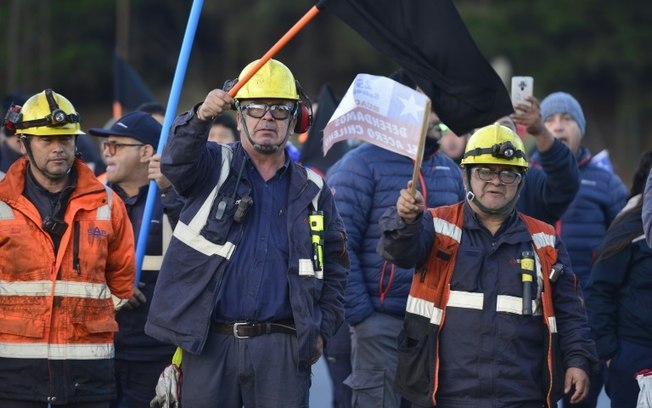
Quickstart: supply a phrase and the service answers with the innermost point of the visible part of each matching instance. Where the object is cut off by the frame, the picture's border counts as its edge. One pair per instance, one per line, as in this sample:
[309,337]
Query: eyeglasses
[505,176]
[258,110]
[113,146]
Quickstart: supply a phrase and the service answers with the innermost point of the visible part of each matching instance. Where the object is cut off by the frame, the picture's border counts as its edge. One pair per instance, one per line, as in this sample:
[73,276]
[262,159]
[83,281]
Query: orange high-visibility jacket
[57,314]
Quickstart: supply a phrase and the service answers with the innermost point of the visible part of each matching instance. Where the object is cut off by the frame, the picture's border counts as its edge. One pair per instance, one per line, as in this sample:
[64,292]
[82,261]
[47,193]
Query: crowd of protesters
[417,293]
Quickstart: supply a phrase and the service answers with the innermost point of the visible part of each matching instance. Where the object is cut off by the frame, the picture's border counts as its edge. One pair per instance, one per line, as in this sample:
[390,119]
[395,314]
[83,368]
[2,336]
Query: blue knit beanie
[561,102]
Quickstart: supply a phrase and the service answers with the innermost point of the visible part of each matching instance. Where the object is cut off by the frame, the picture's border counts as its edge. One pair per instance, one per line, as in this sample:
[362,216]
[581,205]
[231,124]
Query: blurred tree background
[597,50]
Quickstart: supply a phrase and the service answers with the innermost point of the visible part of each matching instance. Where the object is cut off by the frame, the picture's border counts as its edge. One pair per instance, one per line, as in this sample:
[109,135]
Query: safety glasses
[505,176]
[258,110]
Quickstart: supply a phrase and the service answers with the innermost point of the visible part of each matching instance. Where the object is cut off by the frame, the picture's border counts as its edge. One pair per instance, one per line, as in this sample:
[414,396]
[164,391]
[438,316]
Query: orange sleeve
[121,258]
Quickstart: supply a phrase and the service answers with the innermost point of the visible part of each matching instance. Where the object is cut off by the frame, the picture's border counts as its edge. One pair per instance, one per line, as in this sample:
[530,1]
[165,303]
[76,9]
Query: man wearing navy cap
[129,148]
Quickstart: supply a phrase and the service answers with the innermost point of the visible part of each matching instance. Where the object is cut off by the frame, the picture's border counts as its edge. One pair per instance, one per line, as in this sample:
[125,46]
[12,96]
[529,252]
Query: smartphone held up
[522,88]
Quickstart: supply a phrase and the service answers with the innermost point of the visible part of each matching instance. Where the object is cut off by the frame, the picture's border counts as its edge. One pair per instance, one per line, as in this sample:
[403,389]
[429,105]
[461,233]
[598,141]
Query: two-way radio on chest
[227,202]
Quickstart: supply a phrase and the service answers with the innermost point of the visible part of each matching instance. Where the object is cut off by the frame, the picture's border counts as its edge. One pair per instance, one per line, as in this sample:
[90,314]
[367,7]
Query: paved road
[320,392]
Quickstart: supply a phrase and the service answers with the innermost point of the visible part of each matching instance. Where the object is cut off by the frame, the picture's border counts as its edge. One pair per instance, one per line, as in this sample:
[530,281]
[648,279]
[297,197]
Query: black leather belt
[243,330]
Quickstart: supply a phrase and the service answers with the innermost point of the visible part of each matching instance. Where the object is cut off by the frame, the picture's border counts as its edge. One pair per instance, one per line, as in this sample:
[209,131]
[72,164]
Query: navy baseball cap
[138,125]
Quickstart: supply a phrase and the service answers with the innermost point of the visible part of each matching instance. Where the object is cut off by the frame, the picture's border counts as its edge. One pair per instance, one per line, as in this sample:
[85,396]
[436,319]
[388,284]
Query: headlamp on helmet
[495,144]
[44,114]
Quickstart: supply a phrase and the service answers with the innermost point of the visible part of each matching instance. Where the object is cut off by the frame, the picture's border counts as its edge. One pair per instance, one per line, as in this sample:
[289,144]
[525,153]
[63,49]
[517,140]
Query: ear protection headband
[302,111]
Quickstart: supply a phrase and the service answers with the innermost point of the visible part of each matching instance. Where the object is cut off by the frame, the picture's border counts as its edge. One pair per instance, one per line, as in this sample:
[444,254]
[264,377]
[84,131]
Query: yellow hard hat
[273,81]
[495,144]
[48,114]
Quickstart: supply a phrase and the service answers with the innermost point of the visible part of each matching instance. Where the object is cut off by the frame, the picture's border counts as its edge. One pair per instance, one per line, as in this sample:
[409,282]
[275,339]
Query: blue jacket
[647,210]
[131,342]
[366,182]
[203,244]
[465,339]
[550,185]
[619,291]
[601,197]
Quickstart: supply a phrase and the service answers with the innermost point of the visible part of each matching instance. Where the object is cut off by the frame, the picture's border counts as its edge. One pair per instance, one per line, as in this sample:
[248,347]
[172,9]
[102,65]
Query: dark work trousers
[338,360]
[374,357]
[5,403]
[620,384]
[136,382]
[253,372]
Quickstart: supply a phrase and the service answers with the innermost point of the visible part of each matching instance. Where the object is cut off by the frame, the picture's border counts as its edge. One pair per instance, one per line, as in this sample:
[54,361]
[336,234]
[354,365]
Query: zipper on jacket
[75,249]
[385,289]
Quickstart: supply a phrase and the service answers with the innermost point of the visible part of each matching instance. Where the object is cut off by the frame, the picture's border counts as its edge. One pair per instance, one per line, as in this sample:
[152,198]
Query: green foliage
[577,45]
[598,50]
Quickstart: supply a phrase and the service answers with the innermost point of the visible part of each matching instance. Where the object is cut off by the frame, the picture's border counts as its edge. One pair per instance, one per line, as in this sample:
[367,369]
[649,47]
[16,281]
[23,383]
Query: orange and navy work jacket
[61,306]
[418,373]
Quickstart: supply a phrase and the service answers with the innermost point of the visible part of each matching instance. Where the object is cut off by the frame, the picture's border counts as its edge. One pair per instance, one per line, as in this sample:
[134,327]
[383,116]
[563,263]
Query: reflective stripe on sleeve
[552,324]
[57,351]
[448,229]
[61,288]
[424,308]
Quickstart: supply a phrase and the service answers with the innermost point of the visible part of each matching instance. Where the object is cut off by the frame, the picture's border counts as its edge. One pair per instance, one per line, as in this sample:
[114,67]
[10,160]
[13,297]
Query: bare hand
[529,115]
[409,206]
[154,172]
[137,299]
[580,379]
[217,101]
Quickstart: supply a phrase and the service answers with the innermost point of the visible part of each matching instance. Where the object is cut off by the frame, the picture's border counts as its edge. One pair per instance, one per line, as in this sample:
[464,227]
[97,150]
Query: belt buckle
[235,330]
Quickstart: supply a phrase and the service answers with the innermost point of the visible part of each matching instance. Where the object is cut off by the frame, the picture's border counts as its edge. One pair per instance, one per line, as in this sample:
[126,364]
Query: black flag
[312,151]
[129,90]
[430,41]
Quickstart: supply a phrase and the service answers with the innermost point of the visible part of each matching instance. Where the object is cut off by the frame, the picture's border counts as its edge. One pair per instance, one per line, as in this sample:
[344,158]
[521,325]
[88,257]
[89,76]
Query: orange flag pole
[275,49]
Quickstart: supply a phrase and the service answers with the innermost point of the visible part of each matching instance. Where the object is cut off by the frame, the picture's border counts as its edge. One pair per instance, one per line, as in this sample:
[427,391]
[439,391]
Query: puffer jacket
[601,197]
[550,184]
[365,183]
[57,318]
[202,244]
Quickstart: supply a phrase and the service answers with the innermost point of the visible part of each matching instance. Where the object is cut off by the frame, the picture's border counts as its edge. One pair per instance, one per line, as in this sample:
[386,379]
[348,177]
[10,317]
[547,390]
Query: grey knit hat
[562,102]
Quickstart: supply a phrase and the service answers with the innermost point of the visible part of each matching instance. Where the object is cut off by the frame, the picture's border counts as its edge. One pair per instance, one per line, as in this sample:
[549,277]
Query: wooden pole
[422,143]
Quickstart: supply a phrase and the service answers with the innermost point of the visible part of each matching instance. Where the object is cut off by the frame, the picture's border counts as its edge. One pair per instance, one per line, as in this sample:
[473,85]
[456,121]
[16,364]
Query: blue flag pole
[170,113]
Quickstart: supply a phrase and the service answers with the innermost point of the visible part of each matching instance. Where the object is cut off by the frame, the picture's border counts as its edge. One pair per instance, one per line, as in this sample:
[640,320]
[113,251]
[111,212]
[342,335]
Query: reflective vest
[430,294]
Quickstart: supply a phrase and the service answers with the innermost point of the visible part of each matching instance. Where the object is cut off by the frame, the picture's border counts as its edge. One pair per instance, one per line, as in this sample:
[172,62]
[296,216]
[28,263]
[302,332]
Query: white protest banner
[380,111]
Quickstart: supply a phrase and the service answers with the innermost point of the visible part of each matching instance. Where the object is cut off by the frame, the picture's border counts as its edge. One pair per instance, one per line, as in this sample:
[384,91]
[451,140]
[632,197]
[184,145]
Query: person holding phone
[601,196]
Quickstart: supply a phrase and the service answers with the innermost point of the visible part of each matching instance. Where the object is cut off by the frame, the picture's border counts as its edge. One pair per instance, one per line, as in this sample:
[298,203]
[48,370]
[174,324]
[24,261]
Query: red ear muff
[304,111]
[304,119]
